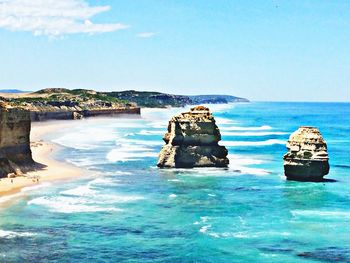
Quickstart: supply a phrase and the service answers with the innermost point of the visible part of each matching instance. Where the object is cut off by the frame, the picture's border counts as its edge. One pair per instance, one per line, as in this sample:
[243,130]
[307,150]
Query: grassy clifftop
[86,99]
[150,99]
[63,98]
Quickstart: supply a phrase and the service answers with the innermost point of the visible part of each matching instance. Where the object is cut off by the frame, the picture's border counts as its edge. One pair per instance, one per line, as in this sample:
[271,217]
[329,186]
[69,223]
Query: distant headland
[90,102]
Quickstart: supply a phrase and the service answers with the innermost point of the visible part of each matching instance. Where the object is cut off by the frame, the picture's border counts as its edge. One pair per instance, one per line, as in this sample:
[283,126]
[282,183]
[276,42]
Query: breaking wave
[123,155]
[251,134]
[254,143]
[343,214]
[12,234]
[238,128]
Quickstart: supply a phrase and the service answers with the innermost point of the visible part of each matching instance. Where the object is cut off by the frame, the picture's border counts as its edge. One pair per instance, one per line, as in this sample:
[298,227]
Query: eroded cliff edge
[15,153]
[192,141]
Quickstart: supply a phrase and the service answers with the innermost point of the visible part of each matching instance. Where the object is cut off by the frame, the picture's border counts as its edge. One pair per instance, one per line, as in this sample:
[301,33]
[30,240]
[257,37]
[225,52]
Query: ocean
[131,211]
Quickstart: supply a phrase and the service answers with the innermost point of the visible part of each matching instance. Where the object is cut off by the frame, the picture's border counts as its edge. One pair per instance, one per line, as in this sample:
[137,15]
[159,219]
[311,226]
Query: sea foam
[341,214]
[12,234]
[147,132]
[239,128]
[123,155]
[70,205]
[251,134]
[83,190]
[131,142]
[90,138]
[82,199]
[35,187]
[95,196]
[254,143]
[241,163]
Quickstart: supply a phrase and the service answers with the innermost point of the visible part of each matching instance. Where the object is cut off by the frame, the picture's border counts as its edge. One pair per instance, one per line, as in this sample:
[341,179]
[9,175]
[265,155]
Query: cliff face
[307,157]
[192,141]
[15,153]
[72,113]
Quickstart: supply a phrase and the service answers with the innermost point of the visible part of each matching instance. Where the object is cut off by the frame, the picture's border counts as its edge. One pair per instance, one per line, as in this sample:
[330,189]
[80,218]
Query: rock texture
[192,141]
[15,153]
[307,157]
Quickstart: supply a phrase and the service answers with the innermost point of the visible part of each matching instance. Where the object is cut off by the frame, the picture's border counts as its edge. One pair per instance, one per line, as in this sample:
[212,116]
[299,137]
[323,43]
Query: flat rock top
[307,134]
[307,144]
[196,114]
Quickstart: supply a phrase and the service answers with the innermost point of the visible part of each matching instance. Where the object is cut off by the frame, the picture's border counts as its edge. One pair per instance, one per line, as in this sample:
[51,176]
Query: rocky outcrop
[307,157]
[192,141]
[15,153]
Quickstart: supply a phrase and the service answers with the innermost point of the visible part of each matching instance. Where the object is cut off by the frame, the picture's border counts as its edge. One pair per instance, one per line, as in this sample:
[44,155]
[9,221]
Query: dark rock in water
[307,157]
[328,254]
[192,141]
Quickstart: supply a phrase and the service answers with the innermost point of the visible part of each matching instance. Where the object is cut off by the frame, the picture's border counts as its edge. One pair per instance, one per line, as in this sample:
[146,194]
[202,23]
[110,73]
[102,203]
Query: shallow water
[135,212]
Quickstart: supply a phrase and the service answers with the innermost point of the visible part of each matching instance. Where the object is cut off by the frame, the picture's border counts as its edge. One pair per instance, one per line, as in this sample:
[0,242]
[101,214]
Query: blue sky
[263,50]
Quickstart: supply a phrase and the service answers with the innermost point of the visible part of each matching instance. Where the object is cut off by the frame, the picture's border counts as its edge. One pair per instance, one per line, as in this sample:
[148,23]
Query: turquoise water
[130,211]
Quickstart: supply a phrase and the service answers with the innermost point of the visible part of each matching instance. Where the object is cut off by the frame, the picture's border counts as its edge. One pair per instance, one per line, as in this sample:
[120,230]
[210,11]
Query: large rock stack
[307,157]
[15,153]
[192,141]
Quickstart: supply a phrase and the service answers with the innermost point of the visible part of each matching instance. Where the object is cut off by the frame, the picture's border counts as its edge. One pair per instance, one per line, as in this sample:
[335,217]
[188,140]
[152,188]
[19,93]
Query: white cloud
[146,34]
[53,17]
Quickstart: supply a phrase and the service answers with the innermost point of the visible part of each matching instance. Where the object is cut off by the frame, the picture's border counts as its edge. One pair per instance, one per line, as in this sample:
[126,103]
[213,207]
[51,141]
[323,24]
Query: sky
[264,50]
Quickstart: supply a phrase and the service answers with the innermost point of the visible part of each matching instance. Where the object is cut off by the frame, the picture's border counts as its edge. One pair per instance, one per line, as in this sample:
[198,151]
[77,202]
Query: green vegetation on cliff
[150,99]
[161,100]
[50,104]
[83,99]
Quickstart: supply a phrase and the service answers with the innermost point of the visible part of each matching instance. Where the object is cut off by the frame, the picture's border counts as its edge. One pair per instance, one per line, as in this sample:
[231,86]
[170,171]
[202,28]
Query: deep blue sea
[128,210]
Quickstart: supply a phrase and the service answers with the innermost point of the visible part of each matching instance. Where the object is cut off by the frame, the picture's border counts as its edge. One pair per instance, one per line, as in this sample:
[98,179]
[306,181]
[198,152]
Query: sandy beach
[43,152]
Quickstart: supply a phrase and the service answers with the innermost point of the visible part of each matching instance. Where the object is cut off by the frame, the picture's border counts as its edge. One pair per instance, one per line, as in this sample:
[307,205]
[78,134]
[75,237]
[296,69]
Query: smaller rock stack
[307,157]
[192,141]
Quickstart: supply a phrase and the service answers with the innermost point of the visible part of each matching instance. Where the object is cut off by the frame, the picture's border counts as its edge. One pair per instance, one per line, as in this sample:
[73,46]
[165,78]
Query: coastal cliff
[60,103]
[307,157]
[153,99]
[192,141]
[15,153]
[64,104]
[216,99]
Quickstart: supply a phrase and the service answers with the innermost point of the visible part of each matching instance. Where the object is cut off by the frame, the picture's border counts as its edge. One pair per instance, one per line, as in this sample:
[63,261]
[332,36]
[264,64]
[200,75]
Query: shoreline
[43,152]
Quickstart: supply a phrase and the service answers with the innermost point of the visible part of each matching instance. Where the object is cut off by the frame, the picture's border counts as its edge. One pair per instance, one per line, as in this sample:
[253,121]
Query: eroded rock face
[192,141]
[307,157]
[15,153]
